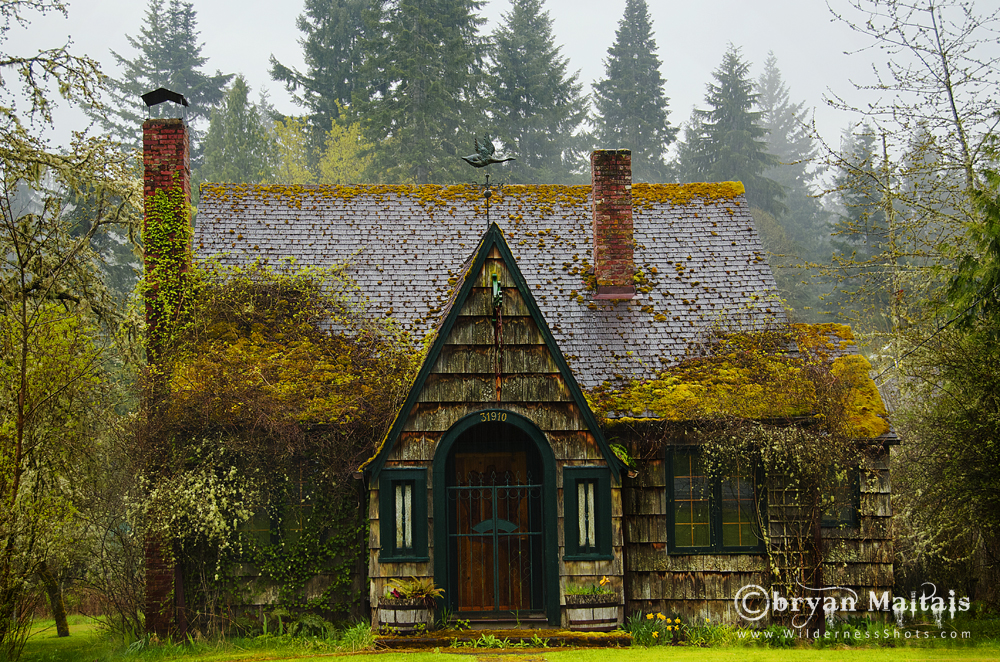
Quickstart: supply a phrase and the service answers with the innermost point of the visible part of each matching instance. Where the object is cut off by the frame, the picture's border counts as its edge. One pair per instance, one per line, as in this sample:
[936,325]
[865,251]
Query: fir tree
[726,142]
[169,56]
[859,266]
[427,54]
[333,37]
[790,140]
[238,147]
[805,225]
[631,104]
[536,106]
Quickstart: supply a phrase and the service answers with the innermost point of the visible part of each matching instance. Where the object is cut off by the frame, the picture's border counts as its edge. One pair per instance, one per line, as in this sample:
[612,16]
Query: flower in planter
[416,589]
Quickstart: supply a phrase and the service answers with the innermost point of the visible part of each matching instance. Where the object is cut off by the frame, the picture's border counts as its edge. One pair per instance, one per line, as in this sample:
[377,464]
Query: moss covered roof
[698,258]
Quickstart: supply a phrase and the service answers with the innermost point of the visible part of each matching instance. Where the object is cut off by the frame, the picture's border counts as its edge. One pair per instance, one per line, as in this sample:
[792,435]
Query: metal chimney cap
[162,94]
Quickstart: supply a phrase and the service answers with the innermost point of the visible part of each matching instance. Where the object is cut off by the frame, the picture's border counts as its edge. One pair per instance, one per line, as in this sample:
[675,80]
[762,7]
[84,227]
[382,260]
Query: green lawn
[87,643]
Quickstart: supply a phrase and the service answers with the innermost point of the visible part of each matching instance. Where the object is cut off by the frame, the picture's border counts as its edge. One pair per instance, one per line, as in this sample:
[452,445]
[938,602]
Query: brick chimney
[611,188]
[166,159]
[166,232]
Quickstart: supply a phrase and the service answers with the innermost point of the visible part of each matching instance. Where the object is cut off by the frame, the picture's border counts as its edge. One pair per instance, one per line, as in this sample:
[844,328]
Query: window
[708,515]
[842,501]
[587,513]
[403,514]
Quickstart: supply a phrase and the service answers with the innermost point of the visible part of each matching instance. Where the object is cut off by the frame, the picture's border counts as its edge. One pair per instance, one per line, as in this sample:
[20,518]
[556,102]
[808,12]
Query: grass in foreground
[88,643]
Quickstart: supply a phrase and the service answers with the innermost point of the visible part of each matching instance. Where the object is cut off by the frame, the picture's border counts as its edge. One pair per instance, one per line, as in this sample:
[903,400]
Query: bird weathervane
[483,157]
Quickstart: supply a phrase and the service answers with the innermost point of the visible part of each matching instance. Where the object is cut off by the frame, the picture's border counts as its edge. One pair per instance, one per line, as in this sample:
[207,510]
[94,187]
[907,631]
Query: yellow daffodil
[661,617]
[656,635]
[605,580]
[649,617]
[677,620]
[669,628]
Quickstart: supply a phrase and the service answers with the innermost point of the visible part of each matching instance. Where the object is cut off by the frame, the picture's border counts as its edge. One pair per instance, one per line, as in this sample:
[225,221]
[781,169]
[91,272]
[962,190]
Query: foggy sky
[691,37]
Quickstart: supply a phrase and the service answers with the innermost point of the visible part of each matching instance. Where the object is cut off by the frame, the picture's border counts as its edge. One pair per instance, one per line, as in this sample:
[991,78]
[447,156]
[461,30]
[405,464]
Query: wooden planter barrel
[403,616]
[593,613]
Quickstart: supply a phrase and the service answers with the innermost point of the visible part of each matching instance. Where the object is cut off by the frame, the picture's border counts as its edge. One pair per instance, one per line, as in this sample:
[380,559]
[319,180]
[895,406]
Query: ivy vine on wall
[273,386]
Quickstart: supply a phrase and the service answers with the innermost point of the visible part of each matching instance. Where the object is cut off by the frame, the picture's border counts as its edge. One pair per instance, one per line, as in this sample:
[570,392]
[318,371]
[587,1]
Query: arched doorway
[494,487]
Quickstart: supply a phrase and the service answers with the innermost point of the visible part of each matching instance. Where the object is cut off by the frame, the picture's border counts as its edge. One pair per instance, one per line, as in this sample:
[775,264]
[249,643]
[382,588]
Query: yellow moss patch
[647,195]
[864,409]
[757,376]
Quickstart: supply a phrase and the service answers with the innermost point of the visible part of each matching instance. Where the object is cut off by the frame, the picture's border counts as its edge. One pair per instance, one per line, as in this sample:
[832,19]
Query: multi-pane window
[841,501]
[710,515]
[587,512]
[403,514]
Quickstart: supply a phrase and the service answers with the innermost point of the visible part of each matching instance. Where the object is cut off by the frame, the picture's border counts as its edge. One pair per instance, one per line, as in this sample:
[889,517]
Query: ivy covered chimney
[166,229]
[611,188]
[166,240]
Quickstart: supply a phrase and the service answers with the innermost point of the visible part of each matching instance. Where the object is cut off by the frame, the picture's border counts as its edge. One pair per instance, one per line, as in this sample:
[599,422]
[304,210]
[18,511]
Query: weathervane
[482,158]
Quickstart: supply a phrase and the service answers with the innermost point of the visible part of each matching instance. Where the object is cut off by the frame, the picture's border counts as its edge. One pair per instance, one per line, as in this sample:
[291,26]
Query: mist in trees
[238,146]
[168,54]
[536,106]
[334,38]
[726,141]
[630,103]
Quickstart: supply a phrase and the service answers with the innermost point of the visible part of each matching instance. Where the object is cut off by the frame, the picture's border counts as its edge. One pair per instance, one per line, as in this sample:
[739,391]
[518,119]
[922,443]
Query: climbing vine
[166,237]
[273,387]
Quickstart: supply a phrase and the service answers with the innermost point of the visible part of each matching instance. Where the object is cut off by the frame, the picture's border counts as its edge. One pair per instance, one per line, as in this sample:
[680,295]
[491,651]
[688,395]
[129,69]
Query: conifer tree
[536,106]
[631,104]
[238,147]
[169,56]
[860,264]
[333,37]
[427,55]
[727,141]
[790,140]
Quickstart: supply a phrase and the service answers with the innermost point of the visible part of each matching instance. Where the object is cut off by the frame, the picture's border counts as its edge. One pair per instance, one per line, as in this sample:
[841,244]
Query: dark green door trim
[550,547]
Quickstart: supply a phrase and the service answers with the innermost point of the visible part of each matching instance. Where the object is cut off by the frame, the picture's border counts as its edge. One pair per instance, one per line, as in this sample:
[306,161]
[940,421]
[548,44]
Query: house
[497,480]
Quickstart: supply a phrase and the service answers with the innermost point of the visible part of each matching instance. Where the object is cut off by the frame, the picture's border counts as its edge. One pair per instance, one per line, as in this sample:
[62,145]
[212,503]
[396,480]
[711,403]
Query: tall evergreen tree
[169,56]
[726,142]
[805,224]
[427,55]
[860,263]
[333,40]
[631,104]
[790,140]
[238,147]
[536,106]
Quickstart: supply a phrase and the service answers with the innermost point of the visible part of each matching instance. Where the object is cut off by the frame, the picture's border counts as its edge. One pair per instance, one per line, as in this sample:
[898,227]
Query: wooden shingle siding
[462,381]
[698,586]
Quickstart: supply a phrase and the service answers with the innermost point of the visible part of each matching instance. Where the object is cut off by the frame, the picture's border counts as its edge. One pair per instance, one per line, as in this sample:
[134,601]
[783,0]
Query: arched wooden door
[495,517]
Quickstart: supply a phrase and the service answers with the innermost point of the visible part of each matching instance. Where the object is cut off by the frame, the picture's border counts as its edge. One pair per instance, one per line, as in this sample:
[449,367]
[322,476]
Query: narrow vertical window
[587,509]
[404,516]
[587,514]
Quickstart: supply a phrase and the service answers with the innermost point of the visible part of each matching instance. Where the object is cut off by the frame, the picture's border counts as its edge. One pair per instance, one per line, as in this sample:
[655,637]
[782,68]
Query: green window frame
[842,501]
[707,516]
[587,513]
[403,515]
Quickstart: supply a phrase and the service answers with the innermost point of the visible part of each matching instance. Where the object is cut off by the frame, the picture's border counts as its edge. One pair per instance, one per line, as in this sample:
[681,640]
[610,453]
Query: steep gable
[481,360]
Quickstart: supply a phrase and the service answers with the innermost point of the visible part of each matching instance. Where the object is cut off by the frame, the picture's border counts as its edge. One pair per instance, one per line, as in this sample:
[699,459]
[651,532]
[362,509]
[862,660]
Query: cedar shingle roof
[698,257]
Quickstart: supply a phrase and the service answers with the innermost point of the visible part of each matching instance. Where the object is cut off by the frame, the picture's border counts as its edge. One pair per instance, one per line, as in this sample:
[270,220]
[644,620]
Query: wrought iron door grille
[496,537]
